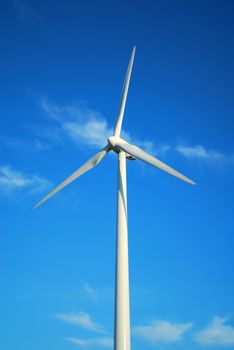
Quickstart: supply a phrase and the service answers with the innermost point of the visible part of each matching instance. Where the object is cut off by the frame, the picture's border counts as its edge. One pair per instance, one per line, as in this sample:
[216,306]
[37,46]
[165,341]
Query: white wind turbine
[124,150]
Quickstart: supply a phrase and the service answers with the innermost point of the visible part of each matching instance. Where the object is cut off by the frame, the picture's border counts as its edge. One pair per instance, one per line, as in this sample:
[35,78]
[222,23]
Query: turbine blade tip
[38,204]
[192,182]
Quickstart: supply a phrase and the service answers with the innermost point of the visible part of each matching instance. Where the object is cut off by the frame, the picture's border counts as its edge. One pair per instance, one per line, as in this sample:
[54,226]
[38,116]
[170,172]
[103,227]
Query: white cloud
[161,331]
[81,319]
[102,342]
[93,132]
[79,122]
[86,126]
[201,153]
[218,332]
[89,291]
[12,180]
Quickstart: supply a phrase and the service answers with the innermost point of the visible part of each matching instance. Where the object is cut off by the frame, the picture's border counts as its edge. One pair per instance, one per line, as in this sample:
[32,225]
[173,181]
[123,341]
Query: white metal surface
[124,93]
[123,149]
[146,157]
[80,171]
[118,143]
[122,313]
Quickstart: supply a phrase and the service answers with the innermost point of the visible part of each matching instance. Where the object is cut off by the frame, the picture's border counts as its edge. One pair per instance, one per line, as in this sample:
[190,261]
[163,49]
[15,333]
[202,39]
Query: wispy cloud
[161,331]
[79,122]
[89,291]
[81,319]
[218,332]
[86,126]
[12,180]
[102,342]
[201,153]
[24,11]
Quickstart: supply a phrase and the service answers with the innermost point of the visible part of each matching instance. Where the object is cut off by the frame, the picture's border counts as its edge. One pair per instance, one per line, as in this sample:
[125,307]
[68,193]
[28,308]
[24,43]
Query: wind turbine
[124,151]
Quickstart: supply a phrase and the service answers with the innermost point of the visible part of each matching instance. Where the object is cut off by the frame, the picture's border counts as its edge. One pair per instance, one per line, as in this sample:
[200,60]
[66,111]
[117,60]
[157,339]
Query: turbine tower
[124,151]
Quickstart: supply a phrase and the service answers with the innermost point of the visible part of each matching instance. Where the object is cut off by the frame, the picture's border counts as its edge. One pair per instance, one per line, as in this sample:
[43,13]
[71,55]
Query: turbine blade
[146,157]
[118,124]
[80,171]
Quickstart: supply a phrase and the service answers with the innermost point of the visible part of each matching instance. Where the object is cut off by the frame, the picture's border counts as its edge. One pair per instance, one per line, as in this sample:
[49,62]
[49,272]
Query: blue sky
[62,66]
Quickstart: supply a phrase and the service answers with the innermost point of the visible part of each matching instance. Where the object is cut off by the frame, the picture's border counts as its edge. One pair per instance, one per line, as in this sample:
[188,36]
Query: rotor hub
[113,141]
